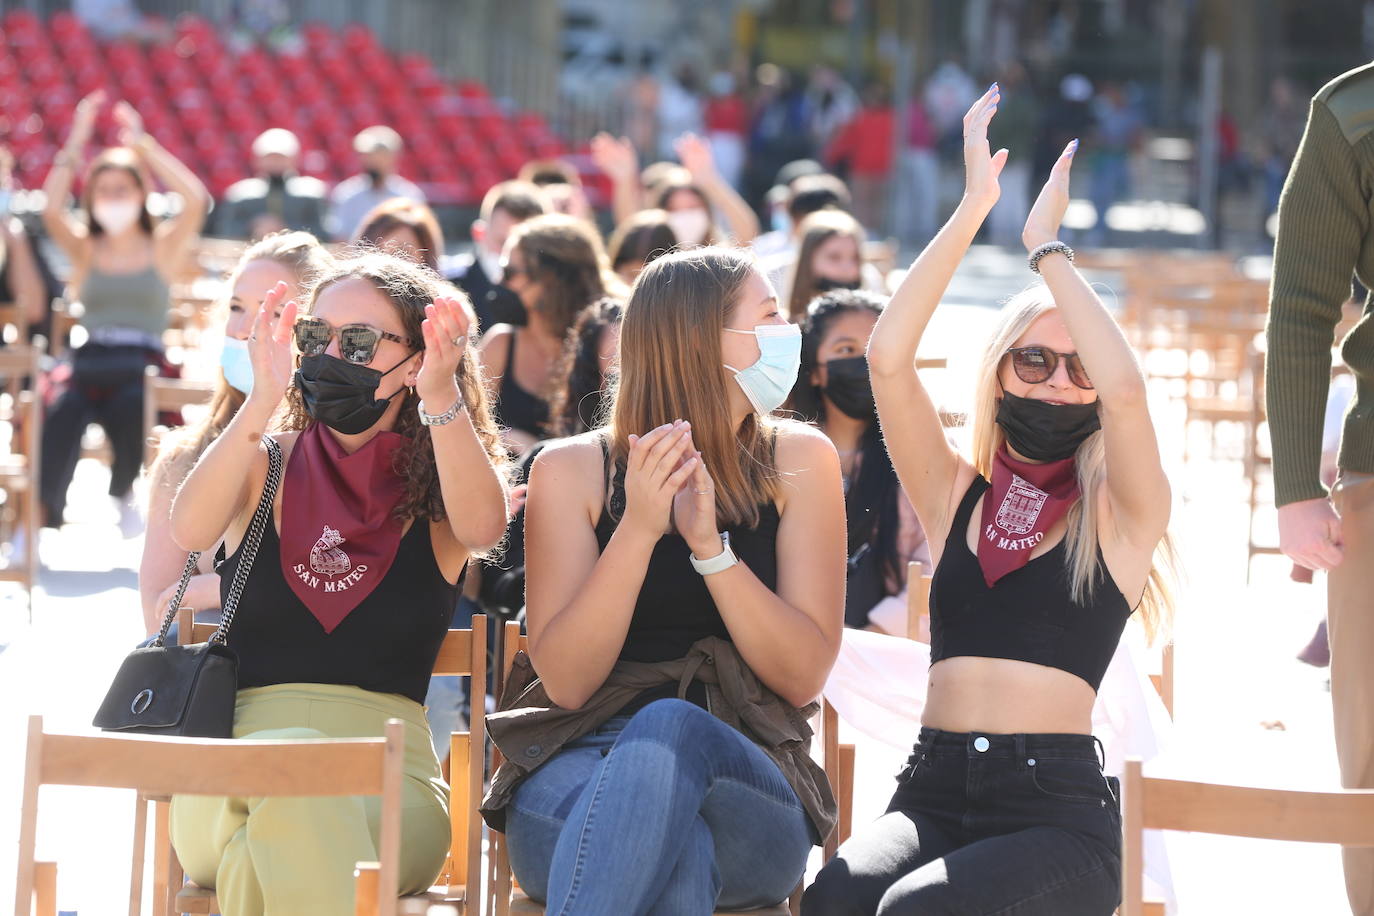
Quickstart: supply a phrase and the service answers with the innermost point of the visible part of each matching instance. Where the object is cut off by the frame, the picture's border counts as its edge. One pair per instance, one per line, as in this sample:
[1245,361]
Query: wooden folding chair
[1150,803]
[504,897]
[210,766]
[21,465]
[163,395]
[462,654]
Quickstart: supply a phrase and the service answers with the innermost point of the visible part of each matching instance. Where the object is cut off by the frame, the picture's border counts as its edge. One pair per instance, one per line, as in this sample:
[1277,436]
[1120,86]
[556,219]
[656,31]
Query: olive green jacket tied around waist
[529,729]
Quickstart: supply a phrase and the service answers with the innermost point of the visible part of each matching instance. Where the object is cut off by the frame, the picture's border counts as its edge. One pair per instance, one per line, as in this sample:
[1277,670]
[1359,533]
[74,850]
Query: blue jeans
[983,825]
[669,812]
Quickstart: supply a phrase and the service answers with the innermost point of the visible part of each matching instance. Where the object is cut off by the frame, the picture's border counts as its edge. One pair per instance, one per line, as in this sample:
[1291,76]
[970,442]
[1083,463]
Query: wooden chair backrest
[214,766]
[917,601]
[462,654]
[163,394]
[1150,803]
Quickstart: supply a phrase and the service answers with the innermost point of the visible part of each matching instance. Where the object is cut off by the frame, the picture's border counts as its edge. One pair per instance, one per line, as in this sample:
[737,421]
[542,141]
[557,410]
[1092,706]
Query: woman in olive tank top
[122,265]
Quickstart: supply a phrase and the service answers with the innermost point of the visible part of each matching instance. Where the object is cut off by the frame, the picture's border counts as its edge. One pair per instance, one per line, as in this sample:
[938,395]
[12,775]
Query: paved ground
[1247,712]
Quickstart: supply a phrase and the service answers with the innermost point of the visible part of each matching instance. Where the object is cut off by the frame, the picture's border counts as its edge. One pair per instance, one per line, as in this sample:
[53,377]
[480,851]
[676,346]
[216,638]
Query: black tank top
[516,407]
[675,608]
[387,644]
[1028,615]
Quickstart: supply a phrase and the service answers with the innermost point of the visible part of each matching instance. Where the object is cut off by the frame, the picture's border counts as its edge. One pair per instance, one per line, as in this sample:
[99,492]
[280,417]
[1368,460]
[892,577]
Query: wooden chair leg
[136,863]
[45,888]
[167,874]
[844,790]
[367,877]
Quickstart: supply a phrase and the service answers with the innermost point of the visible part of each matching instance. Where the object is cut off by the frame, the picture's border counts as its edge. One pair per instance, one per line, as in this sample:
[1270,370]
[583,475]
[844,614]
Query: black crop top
[387,644]
[1028,615]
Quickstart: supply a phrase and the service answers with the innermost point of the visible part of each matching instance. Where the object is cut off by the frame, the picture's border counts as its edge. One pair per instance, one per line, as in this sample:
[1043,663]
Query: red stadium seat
[206,103]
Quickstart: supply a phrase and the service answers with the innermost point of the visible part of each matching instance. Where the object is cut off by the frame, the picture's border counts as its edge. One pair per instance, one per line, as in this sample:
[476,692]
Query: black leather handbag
[189,690]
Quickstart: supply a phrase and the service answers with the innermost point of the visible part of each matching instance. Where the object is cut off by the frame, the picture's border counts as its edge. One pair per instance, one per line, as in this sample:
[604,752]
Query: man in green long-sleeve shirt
[1326,235]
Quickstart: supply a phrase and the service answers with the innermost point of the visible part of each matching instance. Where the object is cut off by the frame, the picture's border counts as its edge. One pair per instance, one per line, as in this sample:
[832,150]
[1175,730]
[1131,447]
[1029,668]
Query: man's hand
[1310,534]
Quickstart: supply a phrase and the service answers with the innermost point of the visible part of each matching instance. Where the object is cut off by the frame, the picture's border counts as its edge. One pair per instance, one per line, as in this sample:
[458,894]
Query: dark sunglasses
[508,271]
[1034,365]
[357,342]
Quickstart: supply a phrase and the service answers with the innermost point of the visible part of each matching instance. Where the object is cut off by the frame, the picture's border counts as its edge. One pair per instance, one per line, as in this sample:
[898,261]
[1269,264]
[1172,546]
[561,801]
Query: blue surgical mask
[237,364]
[768,382]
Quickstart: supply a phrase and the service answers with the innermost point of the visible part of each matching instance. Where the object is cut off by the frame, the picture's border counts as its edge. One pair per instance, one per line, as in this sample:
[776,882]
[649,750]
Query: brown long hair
[640,238]
[564,256]
[671,368]
[400,212]
[115,159]
[303,255]
[410,287]
[817,229]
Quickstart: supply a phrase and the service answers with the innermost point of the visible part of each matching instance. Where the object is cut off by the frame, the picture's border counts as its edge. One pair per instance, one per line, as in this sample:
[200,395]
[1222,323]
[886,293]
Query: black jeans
[115,401]
[982,825]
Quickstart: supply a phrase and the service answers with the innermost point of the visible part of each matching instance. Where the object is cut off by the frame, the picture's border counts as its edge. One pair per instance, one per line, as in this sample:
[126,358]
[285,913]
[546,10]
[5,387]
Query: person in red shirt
[727,122]
[864,145]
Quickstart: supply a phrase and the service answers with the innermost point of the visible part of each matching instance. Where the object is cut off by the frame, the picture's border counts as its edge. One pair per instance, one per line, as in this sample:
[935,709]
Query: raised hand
[982,166]
[654,473]
[269,347]
[615,156]
[1042,225]
[445,330]
[83,122]
[130,123]
[694,512]
[696,156]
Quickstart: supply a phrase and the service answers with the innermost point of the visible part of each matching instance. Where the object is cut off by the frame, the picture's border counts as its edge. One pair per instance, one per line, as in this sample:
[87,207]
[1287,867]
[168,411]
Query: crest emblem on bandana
[1020,507]
[326,558]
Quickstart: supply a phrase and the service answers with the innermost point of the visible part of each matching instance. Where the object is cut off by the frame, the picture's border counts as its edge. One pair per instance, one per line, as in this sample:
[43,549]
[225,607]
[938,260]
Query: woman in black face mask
[834,392]
[1046,539]
[829,257]
[393,478]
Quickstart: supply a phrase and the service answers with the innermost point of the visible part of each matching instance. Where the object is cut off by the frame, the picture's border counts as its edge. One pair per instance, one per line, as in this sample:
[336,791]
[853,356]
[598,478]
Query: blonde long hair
[303,255]
[1157,602]
[671,368]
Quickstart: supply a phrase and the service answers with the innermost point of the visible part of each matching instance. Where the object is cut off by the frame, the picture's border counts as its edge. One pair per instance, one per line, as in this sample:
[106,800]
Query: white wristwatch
[720,562]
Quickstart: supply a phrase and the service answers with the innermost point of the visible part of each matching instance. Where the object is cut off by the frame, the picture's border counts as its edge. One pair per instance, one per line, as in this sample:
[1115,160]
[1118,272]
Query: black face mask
[1046,432]
[340,394]
[824,285]
[849,387]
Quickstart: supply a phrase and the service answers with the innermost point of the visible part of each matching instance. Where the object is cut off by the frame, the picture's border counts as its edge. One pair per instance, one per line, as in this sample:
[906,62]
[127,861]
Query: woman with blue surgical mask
[684,587]
[283,257]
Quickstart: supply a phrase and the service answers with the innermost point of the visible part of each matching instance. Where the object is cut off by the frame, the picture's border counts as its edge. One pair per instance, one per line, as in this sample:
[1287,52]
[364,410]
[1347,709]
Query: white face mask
[114,216]
[690,226]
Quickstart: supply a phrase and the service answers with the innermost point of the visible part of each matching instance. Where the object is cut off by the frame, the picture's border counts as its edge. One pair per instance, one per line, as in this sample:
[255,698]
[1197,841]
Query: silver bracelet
[442,419]
[1048,248]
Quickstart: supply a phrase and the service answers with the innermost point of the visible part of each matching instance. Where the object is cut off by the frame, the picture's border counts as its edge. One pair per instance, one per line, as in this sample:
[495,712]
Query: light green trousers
[294,856]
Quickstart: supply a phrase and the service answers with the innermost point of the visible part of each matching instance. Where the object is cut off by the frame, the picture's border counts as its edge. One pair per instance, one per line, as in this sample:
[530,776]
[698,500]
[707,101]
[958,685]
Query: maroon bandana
[1024,502]
[338,534]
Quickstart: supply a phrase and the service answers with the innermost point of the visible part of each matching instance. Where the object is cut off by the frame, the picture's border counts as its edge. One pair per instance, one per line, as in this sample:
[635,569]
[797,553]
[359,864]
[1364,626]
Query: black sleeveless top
[387,644]
[516,407]
[675,608]
[1028,615]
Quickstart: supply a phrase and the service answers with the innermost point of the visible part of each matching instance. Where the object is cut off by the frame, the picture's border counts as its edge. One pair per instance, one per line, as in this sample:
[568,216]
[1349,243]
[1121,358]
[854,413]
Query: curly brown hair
[410,287]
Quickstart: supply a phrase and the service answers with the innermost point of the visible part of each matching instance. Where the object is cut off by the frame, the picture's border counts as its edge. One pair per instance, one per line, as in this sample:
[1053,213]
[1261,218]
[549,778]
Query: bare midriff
[1002,697]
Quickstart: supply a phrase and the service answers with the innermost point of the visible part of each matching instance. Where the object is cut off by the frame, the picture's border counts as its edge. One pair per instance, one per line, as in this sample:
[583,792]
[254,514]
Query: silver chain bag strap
[190,690]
